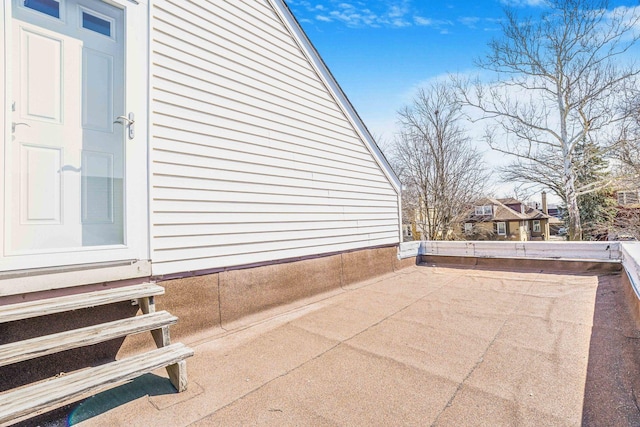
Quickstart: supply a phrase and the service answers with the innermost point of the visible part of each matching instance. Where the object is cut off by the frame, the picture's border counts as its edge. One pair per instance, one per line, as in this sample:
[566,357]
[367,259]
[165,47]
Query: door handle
[128,122]
[69,168]
[14,125]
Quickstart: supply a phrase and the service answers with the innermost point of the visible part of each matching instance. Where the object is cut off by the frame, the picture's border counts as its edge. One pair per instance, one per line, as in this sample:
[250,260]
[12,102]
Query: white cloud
[428,22]
[484,24]
[419,20]
[524,3]
[377,13]
[398,10]
[469,21]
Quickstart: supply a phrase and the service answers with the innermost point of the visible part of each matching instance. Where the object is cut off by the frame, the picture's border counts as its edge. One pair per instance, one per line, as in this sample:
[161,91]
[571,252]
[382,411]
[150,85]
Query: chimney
[544,204]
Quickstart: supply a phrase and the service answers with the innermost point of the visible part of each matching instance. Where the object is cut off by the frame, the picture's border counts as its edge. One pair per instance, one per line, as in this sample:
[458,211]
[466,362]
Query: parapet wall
[236,297]
[547,265]
[576,257]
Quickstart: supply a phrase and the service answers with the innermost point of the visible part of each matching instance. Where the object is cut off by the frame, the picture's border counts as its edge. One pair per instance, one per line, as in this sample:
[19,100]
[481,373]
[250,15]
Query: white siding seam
[173,157]
[232,76]
[288,49]
[165,231]
[268,19]
[269,137]
[245,101]
[244,108]
[325,199]
[241,240]
[245,118]
[297,157]
[373,191]
[313,176]
[164,72]
[235,57]
[187,172]
[227,249]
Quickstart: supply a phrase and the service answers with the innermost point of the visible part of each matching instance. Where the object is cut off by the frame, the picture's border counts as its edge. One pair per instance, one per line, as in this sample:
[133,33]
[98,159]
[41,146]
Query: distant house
[505,219]
[626,224]
[556,211]
[628,198]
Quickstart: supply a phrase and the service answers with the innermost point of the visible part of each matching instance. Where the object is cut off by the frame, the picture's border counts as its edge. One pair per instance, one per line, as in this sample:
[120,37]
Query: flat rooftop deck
[424,346]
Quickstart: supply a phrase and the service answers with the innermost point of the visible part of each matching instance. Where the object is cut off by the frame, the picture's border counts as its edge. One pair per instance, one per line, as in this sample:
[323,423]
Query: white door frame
[136,150]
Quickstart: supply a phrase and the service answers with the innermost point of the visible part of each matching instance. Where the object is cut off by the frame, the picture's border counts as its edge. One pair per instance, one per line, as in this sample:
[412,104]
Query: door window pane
[93,23]
[49,7]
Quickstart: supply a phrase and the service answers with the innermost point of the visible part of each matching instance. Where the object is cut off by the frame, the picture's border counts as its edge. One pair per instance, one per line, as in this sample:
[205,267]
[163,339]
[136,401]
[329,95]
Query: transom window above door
[96,22]
[88,19]
[48,7]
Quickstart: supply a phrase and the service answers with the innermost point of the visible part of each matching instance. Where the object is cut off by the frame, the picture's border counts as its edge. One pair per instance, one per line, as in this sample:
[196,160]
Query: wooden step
[41,346]
[42,307]
[34,398]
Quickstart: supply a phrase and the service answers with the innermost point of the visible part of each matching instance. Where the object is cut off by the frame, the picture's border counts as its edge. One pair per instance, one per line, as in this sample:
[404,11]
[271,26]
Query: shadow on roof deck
[613,378]
[427,345]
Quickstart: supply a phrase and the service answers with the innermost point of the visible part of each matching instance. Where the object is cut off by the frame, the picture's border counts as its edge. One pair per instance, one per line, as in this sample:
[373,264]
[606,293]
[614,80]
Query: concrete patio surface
[427,345]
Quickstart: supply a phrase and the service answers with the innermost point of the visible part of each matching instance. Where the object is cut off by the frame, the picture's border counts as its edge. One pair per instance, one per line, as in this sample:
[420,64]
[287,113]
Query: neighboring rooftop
[508,209]
[427,345]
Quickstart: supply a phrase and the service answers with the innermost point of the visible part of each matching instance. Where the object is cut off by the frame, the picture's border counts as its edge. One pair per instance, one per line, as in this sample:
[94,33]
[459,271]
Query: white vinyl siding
[252,158]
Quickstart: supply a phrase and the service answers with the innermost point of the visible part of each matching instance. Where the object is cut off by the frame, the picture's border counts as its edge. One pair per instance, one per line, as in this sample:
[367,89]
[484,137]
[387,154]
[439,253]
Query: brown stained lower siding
[225,297]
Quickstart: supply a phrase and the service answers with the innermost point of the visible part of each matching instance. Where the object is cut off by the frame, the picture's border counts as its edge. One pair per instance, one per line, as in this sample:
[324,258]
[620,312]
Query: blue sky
[380,51]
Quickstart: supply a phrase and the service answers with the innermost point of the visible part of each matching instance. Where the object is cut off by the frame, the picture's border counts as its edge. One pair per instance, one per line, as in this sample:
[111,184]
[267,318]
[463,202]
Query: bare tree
[628,147]
[558,84]
[518,192]
[439,169]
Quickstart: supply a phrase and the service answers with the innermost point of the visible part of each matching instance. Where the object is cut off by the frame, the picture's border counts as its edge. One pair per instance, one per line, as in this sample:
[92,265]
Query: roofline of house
[519,216]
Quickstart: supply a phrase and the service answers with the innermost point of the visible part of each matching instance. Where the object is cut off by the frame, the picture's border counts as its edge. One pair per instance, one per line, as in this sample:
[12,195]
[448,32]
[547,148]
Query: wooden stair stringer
[29,400]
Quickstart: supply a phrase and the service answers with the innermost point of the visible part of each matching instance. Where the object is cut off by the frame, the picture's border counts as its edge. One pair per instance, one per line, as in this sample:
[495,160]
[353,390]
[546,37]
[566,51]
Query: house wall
[523,231]
[481,231]
[543,234]
[252,158]
[513,230]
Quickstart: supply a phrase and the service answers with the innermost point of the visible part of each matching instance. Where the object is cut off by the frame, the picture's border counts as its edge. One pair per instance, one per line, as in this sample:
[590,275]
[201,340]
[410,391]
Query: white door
[65,163]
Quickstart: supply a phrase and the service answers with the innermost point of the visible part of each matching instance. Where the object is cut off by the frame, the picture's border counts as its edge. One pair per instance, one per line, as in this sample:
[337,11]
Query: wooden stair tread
[30,399]
[42,307]
[41,346]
